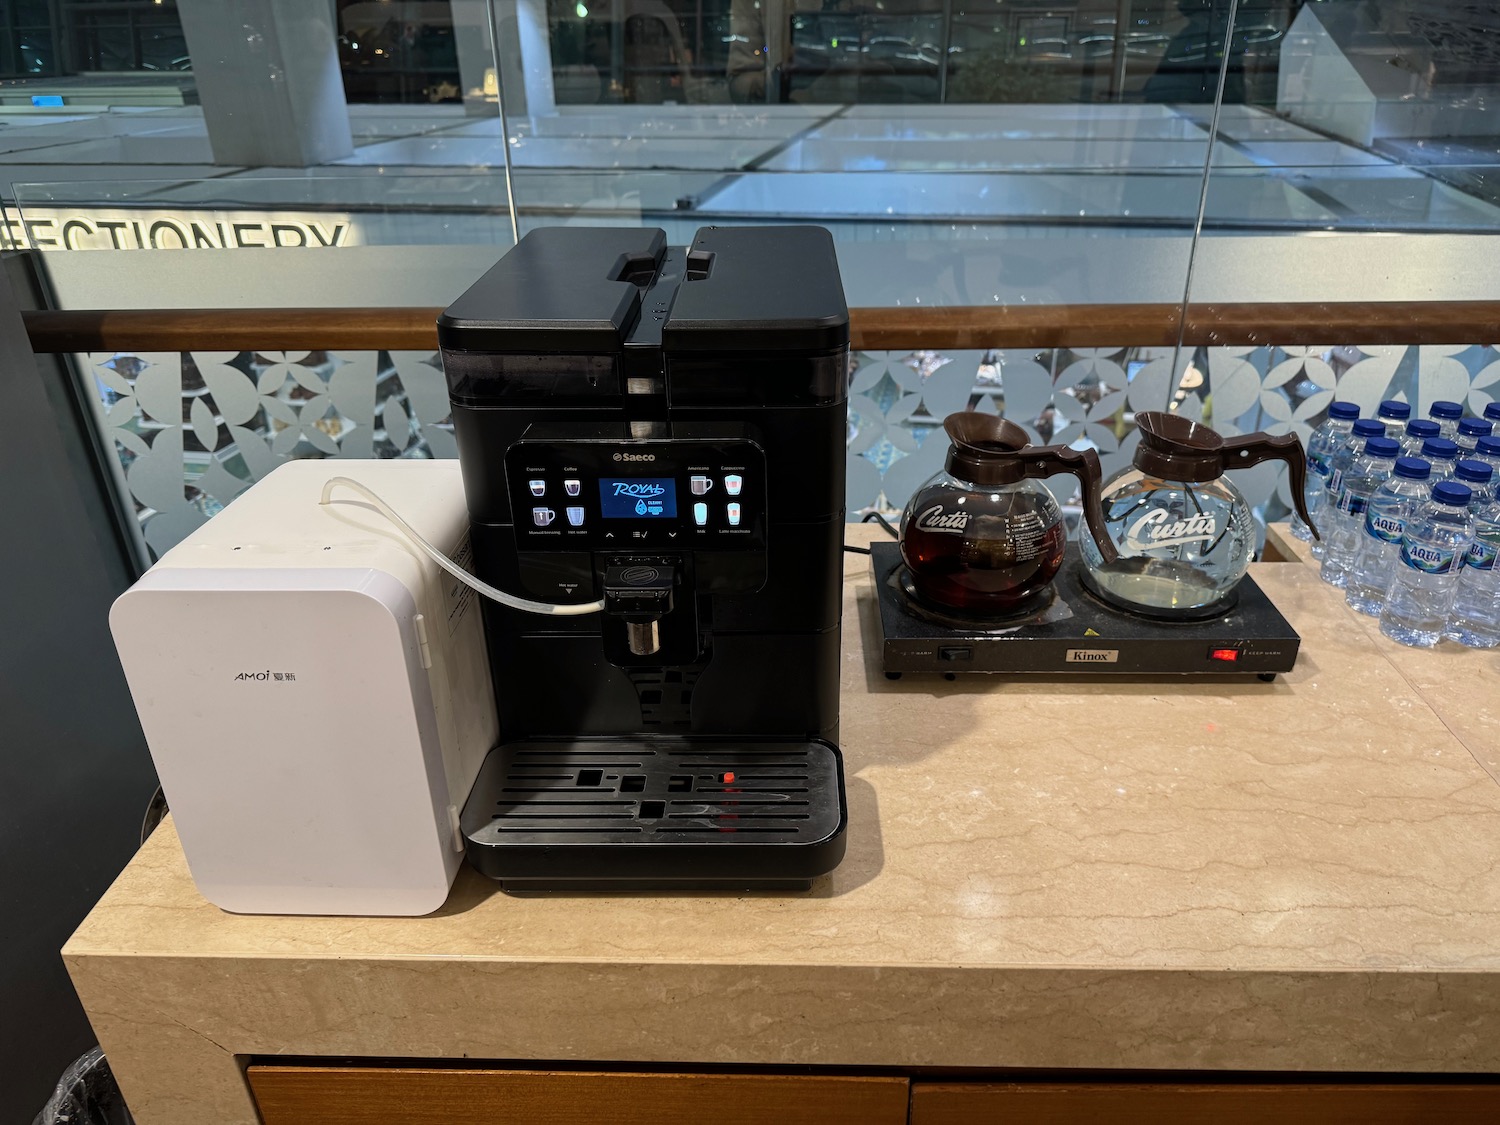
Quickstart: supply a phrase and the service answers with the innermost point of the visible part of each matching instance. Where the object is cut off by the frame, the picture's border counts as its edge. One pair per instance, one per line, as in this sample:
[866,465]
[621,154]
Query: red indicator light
[1228,654]
[729,779]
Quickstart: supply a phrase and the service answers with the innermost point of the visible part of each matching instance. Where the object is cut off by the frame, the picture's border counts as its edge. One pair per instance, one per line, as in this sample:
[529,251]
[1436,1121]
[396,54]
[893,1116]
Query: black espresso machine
[660,429]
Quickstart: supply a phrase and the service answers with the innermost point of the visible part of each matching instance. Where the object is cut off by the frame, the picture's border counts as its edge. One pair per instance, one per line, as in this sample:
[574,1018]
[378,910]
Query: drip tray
[657,814]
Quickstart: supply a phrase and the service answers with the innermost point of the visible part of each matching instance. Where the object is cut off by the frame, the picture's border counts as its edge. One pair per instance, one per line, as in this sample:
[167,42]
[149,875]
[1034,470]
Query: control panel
[694,494]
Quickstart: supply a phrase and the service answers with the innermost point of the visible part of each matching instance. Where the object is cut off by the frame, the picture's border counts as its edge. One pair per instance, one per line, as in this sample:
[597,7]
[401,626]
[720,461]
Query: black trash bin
[86,1094]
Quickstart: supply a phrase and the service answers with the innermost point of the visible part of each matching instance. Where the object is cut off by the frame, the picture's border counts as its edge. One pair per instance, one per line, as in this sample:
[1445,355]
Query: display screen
[629,498]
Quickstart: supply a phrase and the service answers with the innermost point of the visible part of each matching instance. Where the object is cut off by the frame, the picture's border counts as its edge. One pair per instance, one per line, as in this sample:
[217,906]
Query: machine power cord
[885,523]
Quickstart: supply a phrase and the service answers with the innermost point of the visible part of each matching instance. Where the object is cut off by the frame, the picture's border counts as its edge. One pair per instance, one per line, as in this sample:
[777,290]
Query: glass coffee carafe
[982,537]
[1183,533]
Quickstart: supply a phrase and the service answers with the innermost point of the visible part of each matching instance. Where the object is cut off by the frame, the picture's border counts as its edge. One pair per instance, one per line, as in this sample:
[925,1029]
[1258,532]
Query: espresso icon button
[538,487]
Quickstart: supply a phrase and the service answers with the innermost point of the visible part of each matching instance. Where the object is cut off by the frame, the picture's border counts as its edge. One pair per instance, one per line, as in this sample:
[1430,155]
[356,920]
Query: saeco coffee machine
[658,430]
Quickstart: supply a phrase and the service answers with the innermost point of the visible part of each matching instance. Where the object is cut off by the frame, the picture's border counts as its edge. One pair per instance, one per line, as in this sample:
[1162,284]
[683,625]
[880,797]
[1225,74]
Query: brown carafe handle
[1049,460]
[1252,449]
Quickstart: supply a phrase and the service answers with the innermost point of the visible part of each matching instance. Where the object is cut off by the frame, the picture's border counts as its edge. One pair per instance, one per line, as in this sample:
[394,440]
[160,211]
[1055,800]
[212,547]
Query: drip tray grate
[612,814]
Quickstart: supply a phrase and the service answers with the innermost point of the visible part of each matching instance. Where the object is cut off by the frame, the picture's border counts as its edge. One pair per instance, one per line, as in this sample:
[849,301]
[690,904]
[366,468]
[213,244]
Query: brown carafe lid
[985,448]
[1177,448]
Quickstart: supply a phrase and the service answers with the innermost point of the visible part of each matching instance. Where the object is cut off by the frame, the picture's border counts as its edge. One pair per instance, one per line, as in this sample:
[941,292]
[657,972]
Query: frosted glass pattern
[192,430]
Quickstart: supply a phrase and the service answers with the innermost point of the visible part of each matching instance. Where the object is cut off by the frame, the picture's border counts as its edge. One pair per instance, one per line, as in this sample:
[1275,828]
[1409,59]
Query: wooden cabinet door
[314,1095]
[1109,1103]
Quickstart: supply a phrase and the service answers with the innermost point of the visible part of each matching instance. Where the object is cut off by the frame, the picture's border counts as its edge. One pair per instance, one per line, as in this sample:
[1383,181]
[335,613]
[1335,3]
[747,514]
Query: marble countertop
[1116,872]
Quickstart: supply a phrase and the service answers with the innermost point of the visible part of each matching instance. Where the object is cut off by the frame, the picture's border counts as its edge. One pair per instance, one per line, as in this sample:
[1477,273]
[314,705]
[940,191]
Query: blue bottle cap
[1442,408]
[1489,446]
[1492,411]
[1368,428]
[1423,428]
[1348,411]
[1413,468]
[1475,427]
[1452,493]
[1475,472]
[1394,409]
[1382,447]
[1439,449]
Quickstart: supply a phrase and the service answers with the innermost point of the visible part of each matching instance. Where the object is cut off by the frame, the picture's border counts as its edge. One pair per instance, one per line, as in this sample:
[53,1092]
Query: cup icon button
[538,487]
[700,485]
[700,514]
[572,487]
[733,483]
[734,515]
[575,517]
[542,516]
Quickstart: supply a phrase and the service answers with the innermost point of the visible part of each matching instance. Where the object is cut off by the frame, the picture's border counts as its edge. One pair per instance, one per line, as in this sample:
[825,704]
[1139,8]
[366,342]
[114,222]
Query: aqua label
[1429,560]
[1383,526]
[1481,555]
[1318,464]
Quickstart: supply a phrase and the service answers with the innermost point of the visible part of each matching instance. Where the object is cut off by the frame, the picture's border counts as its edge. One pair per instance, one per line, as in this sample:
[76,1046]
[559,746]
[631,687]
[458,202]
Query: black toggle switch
[955,652]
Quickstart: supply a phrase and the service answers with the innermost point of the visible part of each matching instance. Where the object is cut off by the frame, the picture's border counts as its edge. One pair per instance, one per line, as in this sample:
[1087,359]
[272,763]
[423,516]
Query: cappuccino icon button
[538,487]
[572,487]
[575,517]
[700,514]
[734,515]
[700,485]
[733,483]
[542,516]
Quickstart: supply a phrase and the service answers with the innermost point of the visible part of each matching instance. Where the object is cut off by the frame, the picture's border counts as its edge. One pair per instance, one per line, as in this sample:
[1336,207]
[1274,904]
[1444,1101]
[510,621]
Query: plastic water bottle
[1320,447]
[1344,524]
[1380,544]
[1424,581]
[1338,463]
[1418,430]
[1470,430]
[1394,413]
[1487,449]
[1492,412]
[1480,477]
[1446,414]
[1475,617]
[1442,454]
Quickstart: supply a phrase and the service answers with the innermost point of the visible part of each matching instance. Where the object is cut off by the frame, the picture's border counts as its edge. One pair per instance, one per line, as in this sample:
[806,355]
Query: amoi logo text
[267,675]
[946,523]
[1157,528]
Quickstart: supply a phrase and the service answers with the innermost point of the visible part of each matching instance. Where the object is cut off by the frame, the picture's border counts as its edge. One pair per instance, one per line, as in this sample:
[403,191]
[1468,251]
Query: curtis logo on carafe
[1157,528]
[944,522]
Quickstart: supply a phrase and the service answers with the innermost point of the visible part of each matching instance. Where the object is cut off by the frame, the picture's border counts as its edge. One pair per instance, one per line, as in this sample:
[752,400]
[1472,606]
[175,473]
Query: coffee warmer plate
[1073,633]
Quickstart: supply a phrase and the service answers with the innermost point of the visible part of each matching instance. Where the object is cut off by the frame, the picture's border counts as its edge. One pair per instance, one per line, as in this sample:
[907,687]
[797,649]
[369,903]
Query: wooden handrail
[872,329]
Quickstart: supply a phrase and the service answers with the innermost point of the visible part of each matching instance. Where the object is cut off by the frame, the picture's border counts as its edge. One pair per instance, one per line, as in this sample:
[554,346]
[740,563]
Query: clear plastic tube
[475,584]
